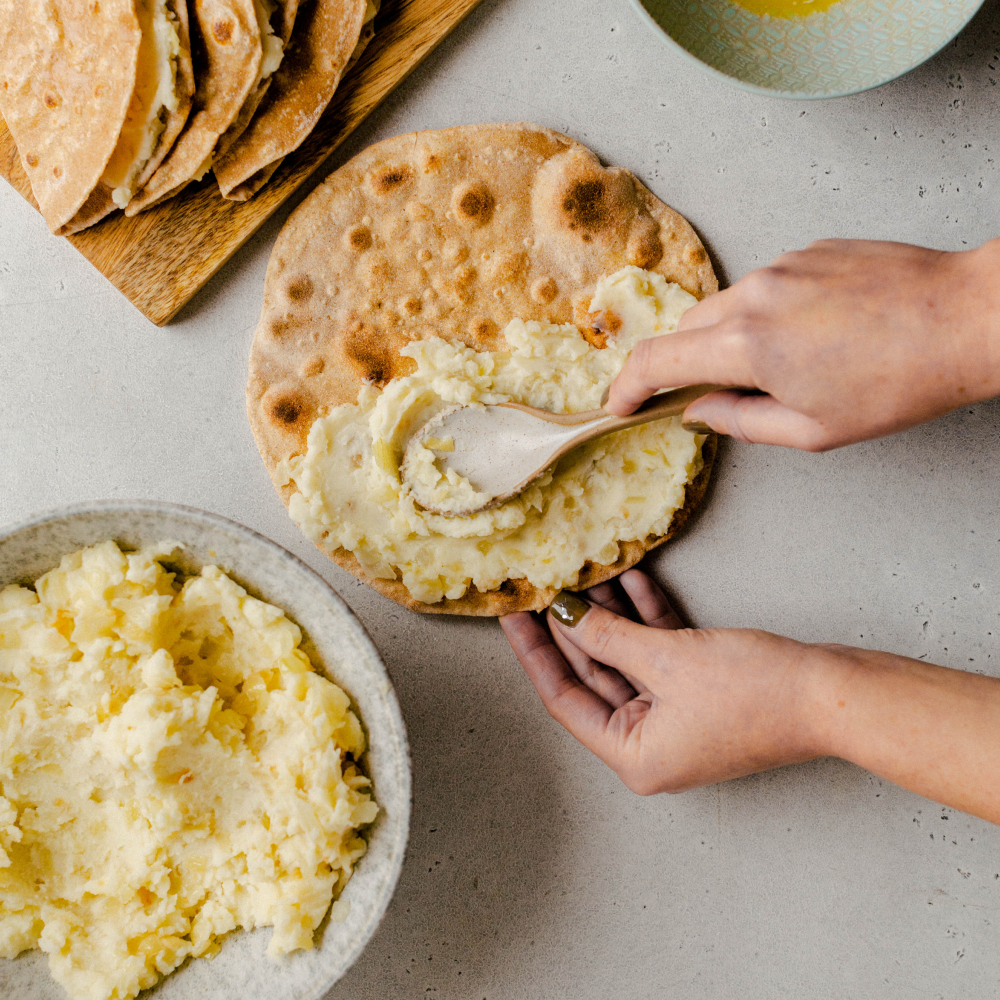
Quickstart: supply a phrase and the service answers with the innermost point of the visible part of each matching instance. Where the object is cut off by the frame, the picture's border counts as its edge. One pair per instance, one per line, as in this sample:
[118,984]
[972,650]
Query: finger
[759,419]
[711,310]
[567,700]
[605,682]
[709,355]
[649,600]
[611,596]
[614,641]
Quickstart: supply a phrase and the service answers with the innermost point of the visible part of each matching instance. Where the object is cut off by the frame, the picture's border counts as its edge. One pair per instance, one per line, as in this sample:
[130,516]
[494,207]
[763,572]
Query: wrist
[831,682]
[930,729]
[971,279]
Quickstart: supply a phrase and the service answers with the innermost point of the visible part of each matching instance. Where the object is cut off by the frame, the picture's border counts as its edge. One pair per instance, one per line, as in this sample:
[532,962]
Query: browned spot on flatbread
[358,238]
[645,248]
[372,359]
[465,275]
[584,204]
[473,203]
[388,180]
[300,289]
[286,409]
[222,31]
[469,280]
[51,101]
[544,290]
[377,270]
[603,324]
[279,327]
[483,332]
[507,267]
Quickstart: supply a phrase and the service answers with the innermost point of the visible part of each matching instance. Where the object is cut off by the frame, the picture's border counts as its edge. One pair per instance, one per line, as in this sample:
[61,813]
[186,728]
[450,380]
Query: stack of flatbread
[120,104]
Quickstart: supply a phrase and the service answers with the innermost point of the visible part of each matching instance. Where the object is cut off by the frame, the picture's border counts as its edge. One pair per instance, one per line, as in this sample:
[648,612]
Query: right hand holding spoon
[848,340]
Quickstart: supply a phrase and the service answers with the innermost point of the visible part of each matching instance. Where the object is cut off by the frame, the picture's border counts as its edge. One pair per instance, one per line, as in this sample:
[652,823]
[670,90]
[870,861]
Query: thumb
[758,419]
[705,355]
[606,637]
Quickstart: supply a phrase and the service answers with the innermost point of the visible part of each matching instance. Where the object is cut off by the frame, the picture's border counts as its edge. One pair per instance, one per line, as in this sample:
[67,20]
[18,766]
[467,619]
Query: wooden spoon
[502,449]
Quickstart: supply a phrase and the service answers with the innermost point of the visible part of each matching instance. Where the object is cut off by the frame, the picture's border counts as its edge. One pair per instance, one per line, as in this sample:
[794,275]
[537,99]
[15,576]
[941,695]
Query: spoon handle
[594,423]
[665,404]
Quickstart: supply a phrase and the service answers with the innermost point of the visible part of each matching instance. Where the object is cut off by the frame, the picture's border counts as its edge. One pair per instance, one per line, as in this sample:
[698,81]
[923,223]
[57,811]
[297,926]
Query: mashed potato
[171,768]
[621,487]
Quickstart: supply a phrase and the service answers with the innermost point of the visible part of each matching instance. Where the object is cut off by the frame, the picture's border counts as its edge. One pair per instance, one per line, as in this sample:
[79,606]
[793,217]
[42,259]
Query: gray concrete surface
[532,872]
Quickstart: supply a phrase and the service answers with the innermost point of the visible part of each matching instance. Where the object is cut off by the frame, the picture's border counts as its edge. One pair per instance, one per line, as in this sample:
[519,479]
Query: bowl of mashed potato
[204,772]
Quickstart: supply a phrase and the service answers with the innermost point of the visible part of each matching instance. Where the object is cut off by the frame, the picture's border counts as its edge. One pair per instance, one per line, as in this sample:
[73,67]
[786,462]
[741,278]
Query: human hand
[847,339]
[669,708]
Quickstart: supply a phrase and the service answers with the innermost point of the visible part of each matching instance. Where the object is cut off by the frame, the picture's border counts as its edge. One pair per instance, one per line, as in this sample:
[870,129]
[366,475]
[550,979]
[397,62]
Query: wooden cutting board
[160,258]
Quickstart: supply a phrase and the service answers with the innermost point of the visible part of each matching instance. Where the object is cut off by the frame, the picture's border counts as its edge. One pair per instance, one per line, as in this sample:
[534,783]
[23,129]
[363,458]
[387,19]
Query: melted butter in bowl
[785,8]
[807,48]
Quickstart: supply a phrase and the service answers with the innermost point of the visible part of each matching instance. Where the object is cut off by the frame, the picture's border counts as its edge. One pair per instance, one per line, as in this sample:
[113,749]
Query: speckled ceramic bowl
[337,642]
[852,46]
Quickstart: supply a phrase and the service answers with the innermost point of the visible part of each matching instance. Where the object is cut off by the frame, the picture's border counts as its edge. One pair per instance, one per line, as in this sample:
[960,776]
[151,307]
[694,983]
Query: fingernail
[604,399]
[696,427]
[569,608]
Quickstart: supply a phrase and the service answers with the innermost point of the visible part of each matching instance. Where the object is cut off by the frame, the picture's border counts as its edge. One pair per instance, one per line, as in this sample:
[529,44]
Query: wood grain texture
[160,258]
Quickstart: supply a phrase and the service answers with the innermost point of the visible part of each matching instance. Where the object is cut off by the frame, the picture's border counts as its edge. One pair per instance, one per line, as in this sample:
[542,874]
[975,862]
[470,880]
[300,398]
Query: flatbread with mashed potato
[323,39]
[480,263]
[228,54]
[93,92]
[269,14]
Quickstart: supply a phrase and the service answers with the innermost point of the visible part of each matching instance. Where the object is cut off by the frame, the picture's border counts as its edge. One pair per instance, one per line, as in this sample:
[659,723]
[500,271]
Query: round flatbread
[66,79]
[450,234]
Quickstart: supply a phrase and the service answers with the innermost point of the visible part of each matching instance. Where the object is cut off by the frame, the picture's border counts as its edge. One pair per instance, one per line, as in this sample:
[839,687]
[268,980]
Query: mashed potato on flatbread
[154,94]
[348,491]
[171,768]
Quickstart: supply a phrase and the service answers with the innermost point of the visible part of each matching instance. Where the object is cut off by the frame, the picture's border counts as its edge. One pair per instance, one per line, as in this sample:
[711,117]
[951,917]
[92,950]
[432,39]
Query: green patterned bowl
[852,46]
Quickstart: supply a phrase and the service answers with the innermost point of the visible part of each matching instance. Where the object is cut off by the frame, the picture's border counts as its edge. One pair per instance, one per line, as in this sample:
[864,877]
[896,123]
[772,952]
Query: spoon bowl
[502,449]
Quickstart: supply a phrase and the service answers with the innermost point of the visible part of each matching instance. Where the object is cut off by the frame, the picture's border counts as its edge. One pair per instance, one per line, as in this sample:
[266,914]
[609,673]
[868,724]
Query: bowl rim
[310,577]
[790,95]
